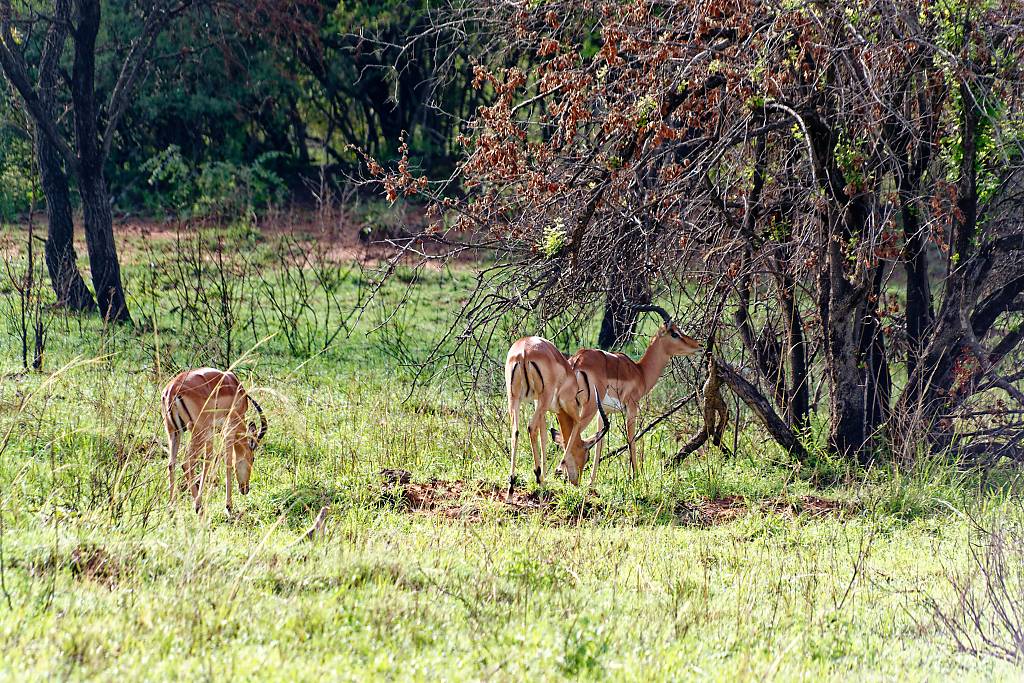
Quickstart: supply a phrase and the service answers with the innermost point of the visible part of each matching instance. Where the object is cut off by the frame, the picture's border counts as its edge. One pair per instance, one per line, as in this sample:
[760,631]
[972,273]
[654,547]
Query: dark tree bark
[798,392]
[931,385]
[762,408]
[92,138]
[849,422]
[99,236]
[912,164]
[766,354]
[619,320]
[61,258]
[92,186]
[877,377]
[628,280]
[855,403]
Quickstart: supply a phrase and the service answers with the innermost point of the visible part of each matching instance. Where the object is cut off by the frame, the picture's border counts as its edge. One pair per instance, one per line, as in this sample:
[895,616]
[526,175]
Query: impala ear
[557,437]
[252,428]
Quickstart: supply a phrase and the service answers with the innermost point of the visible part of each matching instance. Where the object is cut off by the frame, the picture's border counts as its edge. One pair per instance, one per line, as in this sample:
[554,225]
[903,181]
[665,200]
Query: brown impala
[620,384]
[536,370]
[202,401]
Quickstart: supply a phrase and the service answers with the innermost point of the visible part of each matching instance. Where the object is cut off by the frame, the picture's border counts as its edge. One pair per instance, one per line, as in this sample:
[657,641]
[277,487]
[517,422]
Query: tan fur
[535,370]
[624,381]
[204,401]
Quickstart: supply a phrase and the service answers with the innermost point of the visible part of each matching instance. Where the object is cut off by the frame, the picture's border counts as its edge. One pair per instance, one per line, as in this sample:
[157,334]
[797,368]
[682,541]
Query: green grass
[102,580]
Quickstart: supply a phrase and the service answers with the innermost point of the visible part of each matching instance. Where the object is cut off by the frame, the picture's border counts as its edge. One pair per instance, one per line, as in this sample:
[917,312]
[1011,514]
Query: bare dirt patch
[723,510]
[459,499]
[342,234]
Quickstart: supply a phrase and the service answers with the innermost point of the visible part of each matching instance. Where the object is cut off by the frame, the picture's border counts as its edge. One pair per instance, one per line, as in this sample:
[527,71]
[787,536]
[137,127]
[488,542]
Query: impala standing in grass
[536,370]
[620,383]
[203,401]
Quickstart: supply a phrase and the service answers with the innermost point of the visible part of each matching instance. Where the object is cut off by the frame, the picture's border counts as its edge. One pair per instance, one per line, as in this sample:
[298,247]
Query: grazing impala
[536,370]
[202,401]
[620,385]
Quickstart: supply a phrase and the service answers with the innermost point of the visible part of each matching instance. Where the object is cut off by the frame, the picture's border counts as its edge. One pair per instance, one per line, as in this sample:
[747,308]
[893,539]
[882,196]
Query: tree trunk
[877,378]
[619,319]
[847,436]
[61,258]
[99,222]
[628,285]
[919,296]
[99,237]
[798,407]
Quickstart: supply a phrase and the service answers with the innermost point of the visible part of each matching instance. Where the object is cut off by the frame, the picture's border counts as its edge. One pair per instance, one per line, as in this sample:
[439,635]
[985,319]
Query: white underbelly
[612,404]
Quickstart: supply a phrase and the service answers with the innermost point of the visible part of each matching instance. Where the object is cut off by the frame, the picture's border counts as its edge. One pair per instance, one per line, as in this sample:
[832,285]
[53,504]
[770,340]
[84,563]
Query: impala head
[245,453]
[674,341]
[574,461]
[577,453]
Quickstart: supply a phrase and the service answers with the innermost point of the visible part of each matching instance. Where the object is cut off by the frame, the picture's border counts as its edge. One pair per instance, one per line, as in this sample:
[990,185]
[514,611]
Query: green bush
[221,189]
[17,173]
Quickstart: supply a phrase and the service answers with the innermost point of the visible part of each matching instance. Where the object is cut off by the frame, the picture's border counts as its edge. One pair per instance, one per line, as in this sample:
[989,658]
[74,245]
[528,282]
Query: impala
[620,384]
[202,401]
[536,370]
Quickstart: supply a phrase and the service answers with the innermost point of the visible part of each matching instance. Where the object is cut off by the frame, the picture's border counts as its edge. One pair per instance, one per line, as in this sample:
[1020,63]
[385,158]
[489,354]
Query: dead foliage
[90,562]
[86,562]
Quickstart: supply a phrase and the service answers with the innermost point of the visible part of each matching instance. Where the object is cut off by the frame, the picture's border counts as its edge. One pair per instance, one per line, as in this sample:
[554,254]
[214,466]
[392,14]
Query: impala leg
[631,438]
[536,428]
[202,469]
[229,473]
[575,452]
[560,437]
[513,410]
[173,442]
[191,465]
[543,450]
[209,462]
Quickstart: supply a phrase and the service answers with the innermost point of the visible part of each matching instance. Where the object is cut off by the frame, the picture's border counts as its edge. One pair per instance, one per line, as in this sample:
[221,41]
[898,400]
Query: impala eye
[675,335]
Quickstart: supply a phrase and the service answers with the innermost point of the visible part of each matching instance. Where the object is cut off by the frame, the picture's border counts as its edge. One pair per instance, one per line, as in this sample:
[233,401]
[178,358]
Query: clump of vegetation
[221,189]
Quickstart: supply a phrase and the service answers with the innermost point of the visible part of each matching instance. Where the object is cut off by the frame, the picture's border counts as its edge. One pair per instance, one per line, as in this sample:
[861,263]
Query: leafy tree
[776,161]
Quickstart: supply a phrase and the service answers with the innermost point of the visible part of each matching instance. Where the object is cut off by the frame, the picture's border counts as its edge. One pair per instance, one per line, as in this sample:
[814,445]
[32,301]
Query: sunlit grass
[101,579]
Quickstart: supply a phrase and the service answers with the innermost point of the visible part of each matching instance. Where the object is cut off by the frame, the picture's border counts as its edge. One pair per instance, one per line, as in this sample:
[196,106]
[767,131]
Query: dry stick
[714,412]
[764,411]
[714,408]
[315,530]
[988,367]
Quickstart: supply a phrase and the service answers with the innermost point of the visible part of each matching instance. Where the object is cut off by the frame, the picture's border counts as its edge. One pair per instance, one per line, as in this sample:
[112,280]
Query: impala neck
[653,363]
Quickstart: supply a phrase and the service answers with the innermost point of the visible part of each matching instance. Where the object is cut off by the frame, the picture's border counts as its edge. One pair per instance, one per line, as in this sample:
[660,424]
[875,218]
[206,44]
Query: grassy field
[725,568]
